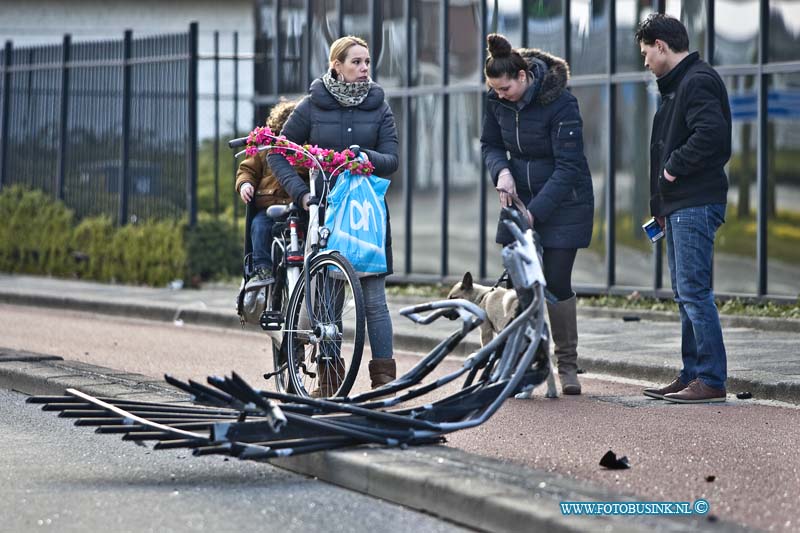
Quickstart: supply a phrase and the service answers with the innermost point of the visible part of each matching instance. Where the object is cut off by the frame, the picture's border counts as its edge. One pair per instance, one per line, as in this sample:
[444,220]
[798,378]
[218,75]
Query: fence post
[482,187]
[216,124]
[235,121]
[62,144]
[124,180]
[191,166]
[307,76]
[611,149]
[408,143]
[5,106]
[444,44]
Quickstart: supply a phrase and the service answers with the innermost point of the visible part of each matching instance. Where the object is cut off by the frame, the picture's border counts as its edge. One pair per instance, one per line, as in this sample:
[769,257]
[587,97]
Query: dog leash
[503,277]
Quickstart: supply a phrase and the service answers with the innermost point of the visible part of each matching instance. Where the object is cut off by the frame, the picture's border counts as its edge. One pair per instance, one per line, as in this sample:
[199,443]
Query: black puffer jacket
[320,120]
[543,134]
[691,138]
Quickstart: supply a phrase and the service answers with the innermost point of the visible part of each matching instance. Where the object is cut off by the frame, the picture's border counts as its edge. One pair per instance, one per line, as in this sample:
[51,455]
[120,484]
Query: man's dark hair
[668,29]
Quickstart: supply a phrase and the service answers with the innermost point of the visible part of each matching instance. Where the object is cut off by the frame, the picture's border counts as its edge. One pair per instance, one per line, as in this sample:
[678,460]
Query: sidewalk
[762,353]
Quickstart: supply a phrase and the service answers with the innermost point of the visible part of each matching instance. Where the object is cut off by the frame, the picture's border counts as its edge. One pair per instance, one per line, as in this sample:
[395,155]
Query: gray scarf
[347,94]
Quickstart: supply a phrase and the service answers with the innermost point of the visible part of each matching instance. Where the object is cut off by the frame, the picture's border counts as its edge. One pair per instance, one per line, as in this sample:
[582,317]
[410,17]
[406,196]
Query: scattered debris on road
[611,461]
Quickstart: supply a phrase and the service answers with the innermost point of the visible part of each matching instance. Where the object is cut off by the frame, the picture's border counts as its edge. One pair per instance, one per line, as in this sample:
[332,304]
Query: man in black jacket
[689,146]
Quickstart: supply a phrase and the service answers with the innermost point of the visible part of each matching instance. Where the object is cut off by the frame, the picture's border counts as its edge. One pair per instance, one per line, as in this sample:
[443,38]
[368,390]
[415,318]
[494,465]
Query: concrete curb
[790,325]
[148,310]
[411,340]
[475,491]
[207,317]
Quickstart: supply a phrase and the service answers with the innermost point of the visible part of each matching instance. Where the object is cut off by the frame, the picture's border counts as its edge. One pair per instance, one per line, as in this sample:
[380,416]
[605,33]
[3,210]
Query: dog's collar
[485,295]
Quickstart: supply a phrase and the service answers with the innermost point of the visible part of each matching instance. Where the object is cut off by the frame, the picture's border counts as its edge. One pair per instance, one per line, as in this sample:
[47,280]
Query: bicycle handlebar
[237,143]
[242,141]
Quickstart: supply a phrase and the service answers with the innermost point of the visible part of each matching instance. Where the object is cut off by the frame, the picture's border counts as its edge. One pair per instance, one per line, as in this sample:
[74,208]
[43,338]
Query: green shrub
[213,250]
[39,235]
[34,233]
[152,253]
[92,242]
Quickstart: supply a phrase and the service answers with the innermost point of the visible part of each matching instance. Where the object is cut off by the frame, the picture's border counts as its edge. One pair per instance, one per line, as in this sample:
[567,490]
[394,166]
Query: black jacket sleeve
[385,155]
[297,129]
[566,136]
[492,147]
[708,130]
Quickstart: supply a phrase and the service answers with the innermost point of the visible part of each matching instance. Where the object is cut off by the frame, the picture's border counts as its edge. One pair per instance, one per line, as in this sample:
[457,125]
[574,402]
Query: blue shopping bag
[356,216]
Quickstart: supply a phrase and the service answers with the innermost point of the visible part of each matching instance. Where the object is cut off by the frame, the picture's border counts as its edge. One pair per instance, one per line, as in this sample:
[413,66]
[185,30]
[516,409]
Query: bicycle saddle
[279,213]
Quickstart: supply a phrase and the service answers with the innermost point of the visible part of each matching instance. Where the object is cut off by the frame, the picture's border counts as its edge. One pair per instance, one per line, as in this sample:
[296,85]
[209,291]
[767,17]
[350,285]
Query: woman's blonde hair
[340,46]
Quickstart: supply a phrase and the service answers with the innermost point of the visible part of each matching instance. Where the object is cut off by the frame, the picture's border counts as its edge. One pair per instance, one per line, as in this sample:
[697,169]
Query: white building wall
[46,21]
[35,22]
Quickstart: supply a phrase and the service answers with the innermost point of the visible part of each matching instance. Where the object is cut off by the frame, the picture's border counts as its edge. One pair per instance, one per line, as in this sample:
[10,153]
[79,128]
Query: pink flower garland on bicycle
[328,159]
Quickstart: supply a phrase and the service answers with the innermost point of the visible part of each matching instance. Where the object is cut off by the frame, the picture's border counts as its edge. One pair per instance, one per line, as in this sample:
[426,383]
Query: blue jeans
[379,322]
[690,249]
[261,238]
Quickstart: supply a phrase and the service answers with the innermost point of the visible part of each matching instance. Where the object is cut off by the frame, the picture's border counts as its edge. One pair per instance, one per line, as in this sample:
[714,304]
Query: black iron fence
[113,128]
[109,127]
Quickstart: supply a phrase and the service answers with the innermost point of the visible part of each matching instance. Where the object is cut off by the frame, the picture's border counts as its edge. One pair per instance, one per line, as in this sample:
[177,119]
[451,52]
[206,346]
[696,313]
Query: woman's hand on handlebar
[304,201]
[246,192]
[506,187]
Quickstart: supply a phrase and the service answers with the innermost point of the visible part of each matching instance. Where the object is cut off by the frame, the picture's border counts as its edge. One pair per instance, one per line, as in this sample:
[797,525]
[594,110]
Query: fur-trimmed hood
[553,70]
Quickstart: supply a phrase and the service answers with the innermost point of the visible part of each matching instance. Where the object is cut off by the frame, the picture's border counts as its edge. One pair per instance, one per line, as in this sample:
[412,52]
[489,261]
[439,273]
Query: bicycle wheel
[324,350]
[280,362]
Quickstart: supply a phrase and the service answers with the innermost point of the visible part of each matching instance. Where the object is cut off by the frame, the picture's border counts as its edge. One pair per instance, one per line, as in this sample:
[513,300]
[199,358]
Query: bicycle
[316,301]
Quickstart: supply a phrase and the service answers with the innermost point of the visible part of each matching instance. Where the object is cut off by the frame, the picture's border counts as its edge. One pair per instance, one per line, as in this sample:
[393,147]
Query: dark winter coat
[540,140]
[320,120]
[691,138]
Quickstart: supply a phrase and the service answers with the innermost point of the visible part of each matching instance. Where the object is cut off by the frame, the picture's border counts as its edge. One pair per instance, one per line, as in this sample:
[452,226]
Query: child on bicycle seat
[254,178]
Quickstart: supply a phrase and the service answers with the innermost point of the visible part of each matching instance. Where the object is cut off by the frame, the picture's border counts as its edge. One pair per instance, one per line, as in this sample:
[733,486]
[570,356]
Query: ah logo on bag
[365,213]
[356,216]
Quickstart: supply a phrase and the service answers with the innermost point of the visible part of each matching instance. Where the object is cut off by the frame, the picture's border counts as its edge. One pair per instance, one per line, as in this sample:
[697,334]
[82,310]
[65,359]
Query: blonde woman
[345,107]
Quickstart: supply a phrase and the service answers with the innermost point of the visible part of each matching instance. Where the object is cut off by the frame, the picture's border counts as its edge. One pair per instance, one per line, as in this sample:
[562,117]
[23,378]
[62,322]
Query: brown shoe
[658,394]
[697,392]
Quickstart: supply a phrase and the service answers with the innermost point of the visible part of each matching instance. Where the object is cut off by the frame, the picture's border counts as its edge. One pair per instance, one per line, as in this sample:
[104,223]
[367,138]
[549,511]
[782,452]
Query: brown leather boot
[330,376]
[382,371]
[564,327]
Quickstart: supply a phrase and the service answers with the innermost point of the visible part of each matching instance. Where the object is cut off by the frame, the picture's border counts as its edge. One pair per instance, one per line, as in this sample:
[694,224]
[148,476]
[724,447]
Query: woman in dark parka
[342,108]
[532,144]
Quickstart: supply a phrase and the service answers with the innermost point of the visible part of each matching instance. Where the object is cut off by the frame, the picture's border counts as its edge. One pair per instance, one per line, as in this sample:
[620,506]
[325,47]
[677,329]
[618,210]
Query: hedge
[39,235]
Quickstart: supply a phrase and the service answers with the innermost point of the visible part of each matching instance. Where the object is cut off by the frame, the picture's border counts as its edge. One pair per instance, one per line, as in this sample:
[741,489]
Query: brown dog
[501,307]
